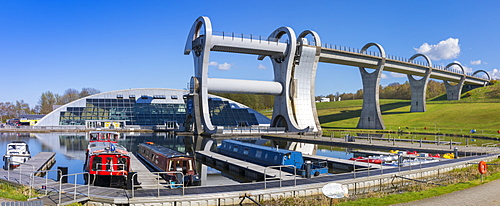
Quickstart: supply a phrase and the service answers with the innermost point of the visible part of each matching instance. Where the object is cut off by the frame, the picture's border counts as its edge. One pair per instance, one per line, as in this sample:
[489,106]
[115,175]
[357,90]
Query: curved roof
[169,96]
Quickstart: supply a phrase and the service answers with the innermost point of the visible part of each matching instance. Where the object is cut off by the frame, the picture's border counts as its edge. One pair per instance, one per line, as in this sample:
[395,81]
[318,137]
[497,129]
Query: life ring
[482,167]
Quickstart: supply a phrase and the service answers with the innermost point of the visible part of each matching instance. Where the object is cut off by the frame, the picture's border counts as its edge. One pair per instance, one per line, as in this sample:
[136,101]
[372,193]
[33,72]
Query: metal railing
[280,177]
[74,191]
[44,187]
[111,168]
[20,170]
[170,184]
[393,57]
[369,165]
[252,130]
[241,36]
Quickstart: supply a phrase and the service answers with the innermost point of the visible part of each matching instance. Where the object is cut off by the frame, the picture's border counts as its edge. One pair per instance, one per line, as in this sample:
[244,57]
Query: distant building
[324,99]
[146,109]
[30,119]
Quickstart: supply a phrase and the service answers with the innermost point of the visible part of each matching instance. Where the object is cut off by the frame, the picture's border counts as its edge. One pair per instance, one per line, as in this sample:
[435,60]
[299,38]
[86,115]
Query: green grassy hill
[478,109]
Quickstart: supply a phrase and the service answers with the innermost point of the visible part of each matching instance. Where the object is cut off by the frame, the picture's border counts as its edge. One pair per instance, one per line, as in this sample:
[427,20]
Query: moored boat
[268,156]
[107,162]
[170,161]
[17,153]
[375,159]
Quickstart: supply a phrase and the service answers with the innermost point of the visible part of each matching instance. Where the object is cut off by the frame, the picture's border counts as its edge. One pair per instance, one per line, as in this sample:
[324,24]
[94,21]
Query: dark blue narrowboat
[268,156]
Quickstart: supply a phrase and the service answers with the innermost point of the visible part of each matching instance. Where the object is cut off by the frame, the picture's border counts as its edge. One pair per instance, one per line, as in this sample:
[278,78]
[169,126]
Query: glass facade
[224,113]
[124,109]
[132,112]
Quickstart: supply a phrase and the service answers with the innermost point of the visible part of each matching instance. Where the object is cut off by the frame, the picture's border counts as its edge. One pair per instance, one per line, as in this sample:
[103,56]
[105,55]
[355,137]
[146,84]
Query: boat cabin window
[122,163]
[258,153]
[93,137]
[109,164]
[96,161]
[180,164]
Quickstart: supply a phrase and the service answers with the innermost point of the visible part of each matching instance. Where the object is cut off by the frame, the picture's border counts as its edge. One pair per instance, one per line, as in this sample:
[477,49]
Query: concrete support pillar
[419,87]
[304,75]
[371,117]
[453,92]
[199,44]
[283,111]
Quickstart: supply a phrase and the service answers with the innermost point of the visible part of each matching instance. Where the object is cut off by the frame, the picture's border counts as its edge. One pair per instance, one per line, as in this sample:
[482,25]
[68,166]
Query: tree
[47,101]
[88,91]
[7,111]
[69,96]
[22,108]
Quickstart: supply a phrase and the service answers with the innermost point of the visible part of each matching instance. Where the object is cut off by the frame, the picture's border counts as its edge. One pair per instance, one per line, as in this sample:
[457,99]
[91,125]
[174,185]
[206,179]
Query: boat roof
[164,150]
[104,147]
[261,147]
[104,132]
[17,142]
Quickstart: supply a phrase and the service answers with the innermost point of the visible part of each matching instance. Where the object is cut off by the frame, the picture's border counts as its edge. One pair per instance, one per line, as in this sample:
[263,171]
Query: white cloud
[446,49]
[384,76]
[262,67]
[457,68]
[495,74]
[398,75]
[477,62]
[224,66]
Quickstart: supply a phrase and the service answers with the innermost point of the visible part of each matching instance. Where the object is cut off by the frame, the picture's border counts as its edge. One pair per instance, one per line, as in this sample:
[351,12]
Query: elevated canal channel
[358,181]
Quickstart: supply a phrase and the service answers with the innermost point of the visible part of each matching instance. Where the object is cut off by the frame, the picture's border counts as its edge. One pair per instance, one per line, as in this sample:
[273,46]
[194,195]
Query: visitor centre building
[146,109]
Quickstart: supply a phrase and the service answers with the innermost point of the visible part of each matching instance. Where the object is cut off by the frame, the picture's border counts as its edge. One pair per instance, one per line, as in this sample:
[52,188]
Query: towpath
[486,194]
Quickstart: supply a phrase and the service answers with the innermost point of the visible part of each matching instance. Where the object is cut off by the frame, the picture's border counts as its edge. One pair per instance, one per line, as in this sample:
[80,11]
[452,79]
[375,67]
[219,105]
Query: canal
[70,148]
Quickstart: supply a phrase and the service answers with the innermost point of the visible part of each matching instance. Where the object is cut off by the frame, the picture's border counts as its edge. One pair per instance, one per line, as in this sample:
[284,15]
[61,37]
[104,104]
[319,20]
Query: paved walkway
[486,194]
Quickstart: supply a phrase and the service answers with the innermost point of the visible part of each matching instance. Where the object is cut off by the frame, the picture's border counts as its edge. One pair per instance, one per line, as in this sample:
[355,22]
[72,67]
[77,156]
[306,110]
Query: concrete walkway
[486,194]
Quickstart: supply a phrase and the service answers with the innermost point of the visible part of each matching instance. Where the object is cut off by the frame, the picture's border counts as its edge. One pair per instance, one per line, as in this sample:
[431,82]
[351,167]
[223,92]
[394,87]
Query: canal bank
[359,182]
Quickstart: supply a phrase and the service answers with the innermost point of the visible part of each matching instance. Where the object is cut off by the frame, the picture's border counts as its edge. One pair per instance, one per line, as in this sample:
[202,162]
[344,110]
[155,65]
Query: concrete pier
[147,179]
[344,164]
[251,171]
[371,116]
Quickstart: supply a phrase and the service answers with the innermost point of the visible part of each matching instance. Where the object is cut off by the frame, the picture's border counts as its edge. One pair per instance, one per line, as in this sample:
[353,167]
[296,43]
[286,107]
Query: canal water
[70,149]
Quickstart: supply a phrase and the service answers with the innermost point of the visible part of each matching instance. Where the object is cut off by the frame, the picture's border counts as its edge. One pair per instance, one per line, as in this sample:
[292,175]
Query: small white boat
[18,152]
[408,162]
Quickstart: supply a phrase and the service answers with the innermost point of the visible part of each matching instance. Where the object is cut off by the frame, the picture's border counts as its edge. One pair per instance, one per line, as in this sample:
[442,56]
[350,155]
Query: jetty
[235,166]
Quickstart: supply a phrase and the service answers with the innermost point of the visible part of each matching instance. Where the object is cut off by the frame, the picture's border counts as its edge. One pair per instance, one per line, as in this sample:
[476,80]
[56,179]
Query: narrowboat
[107,162]
[163,159]
[18,152]
[268,156]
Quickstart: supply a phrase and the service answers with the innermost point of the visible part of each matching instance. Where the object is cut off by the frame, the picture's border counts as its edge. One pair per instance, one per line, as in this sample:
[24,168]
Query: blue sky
[112,45]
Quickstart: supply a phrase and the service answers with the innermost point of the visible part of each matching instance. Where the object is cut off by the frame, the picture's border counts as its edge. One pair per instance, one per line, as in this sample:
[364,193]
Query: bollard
[131,178]
[456,152]
[308,169]
[64,171]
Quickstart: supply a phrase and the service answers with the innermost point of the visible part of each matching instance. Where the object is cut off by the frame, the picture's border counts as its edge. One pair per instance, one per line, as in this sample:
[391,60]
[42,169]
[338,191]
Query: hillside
[476,110]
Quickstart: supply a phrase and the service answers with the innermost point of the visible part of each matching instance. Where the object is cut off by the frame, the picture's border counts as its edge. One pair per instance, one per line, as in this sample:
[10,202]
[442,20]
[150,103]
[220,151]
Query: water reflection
[70,149]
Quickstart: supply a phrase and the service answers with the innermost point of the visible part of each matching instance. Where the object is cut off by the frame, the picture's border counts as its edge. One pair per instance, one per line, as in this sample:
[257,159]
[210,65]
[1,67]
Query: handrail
[74,193]
[241,36]
[20,170]
[47,177]
[158,182]
[354,166]
[392,57]
[281,179]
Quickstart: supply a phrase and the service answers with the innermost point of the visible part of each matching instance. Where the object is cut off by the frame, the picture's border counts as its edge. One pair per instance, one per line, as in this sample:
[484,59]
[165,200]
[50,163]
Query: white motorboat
[17,153]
